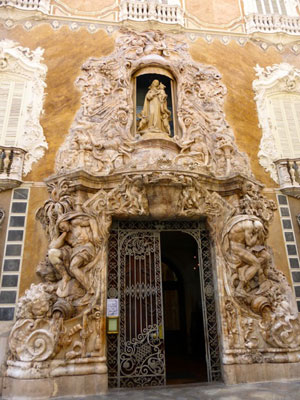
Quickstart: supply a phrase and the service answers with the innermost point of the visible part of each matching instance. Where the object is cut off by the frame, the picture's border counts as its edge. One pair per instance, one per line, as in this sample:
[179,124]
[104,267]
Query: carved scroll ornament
[61,321]
[265,313]
[102,139]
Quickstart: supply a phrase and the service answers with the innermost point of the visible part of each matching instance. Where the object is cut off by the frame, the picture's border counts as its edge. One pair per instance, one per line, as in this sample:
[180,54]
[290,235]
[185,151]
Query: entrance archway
[183,315]
[137,251]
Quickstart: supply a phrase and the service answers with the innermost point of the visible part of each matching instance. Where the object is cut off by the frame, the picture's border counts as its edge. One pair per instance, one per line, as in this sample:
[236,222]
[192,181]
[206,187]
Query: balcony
[150,11]
[288,170]
[11,167]
[29,5]
[272,24]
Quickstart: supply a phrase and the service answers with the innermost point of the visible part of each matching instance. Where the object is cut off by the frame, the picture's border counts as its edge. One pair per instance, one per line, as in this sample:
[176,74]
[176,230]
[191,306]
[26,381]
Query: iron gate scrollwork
[138,285]
[136,355]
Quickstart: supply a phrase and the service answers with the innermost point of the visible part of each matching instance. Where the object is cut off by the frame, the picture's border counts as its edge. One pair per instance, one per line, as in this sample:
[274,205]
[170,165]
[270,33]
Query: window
[22,86]
[284,110]
[271,7]
[278,104]
[12,94]
[282,7]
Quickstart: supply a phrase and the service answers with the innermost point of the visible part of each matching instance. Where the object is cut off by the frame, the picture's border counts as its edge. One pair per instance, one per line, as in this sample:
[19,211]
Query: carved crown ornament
[22,65]
[116,163]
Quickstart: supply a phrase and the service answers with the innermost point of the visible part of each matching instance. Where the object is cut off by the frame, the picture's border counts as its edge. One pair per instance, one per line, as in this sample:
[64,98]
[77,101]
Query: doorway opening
[160,273]
[183,315]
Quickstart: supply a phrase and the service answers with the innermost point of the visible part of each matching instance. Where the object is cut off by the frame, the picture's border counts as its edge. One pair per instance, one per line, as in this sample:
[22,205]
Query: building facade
[150,184]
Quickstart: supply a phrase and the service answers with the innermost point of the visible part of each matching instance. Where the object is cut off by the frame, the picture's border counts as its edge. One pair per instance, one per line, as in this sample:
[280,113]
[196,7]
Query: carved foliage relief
[102,138]
[61,321]
[260,309]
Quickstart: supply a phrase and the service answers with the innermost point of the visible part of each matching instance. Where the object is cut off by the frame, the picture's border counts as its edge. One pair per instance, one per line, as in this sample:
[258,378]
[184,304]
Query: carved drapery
[106,172]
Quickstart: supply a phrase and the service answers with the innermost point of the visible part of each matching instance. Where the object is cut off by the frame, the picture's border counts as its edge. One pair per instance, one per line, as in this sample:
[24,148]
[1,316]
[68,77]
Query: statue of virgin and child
[155,116]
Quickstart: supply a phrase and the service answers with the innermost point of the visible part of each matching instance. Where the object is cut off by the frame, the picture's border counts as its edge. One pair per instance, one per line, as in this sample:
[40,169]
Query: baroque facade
[124,122]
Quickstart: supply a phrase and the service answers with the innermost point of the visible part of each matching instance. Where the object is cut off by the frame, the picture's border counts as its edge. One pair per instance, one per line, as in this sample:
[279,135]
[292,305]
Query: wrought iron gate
[136,356]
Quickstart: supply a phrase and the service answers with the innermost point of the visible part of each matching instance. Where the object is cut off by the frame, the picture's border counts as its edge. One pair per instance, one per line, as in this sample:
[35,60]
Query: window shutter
[5,88]
[267,7]
[283,7]
[271,7]
[259,7]
[275,7]
[286,118]
[11,100]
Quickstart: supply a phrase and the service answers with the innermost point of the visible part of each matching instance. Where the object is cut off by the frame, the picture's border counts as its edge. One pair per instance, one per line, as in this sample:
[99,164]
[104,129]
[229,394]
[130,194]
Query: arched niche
[142,79]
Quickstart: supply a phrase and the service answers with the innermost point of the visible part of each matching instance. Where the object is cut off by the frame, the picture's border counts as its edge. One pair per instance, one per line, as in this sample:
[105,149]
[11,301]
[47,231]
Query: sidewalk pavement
[279,390]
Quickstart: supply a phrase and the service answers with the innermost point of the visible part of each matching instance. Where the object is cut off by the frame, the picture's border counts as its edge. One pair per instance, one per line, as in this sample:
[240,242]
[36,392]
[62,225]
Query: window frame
[275,80]
[20,64]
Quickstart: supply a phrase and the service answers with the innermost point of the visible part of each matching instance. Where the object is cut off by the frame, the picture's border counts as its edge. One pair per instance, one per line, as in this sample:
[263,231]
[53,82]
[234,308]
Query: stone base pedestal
[72,386]
[247,373]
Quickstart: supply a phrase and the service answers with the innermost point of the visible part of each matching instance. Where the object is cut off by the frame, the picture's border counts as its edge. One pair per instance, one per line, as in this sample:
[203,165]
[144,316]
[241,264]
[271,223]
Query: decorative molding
[106,170]
[203,141]
[25,63]
[109,13]
[278,78]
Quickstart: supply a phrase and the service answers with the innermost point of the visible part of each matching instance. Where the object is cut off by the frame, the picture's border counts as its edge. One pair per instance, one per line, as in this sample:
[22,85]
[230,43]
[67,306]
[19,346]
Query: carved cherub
[195,150]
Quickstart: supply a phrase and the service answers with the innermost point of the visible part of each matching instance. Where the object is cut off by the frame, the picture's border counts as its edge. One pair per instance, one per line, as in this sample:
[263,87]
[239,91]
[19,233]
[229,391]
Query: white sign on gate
[112,308]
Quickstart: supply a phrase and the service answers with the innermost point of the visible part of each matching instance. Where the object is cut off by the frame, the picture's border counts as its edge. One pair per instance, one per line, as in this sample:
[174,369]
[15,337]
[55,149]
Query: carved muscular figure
[246,240]
[77,238]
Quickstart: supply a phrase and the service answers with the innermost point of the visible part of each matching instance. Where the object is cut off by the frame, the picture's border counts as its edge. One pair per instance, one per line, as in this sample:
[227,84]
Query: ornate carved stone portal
[105,171]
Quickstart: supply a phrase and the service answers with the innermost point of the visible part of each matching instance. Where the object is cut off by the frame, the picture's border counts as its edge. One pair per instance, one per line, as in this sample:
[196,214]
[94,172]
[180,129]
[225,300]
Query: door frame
[199,231]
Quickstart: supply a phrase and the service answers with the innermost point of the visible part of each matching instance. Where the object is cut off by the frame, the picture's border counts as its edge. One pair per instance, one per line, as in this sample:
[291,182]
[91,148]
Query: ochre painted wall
[214,12]
[66,51]
[88,5]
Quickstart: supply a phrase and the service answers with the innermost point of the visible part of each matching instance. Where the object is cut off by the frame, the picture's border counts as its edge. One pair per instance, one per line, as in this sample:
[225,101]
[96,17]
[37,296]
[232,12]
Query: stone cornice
[82,180]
